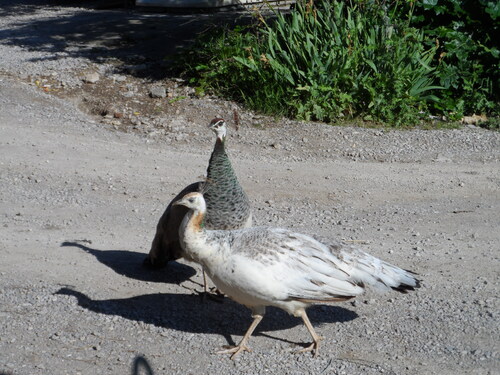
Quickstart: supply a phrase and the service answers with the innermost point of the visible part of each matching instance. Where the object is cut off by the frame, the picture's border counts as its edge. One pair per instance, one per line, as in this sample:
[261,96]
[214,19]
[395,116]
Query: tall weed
[335,60]
[468,54]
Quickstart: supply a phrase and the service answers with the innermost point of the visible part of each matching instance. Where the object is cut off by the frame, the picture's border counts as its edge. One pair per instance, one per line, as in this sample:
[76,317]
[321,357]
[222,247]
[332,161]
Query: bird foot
[235,350]
[314,347]
[217,293]
[216,297]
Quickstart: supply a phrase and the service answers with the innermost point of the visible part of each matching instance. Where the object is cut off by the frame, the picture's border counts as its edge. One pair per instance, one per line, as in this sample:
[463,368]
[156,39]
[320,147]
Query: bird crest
[204,186]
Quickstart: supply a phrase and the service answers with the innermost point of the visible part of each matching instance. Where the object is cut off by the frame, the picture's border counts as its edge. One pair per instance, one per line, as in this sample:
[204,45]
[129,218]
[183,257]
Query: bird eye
[191,200]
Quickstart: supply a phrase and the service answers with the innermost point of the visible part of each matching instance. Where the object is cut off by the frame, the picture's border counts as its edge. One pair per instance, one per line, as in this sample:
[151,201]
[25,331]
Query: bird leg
[205,284]
[242,346]
[217,296]
[314,347]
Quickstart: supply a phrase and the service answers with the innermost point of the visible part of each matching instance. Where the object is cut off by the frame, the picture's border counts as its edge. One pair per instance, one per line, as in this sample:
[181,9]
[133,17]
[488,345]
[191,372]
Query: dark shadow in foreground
[129,264]
[187,313]
[141,363]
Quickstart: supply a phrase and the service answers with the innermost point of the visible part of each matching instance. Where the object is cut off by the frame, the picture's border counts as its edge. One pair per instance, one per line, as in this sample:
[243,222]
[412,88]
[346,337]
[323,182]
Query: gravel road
[79,202]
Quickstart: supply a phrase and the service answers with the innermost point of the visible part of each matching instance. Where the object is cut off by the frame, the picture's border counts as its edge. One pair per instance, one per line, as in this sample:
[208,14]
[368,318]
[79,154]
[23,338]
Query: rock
[119,78]
[276,146]
[158,92]
[91,78]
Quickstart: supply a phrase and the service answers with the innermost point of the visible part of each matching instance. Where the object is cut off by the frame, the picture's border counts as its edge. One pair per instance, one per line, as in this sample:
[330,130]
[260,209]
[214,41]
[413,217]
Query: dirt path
[79,202]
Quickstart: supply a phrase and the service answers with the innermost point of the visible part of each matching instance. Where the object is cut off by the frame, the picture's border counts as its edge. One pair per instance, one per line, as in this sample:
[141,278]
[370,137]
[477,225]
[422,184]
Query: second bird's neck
[192,235]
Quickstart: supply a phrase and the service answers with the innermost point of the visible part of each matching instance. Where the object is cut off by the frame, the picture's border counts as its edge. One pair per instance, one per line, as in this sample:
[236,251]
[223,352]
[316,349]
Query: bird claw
[216,297]
[235,350]
[314,347]
[311,348]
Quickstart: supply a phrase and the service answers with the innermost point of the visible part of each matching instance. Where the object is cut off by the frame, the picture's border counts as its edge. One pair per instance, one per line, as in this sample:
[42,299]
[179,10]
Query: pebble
[276,146]
[119,78]
[91,78]
[158,92]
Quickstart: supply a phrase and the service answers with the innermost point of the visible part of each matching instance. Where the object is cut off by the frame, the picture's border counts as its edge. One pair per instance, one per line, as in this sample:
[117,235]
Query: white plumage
[265,266]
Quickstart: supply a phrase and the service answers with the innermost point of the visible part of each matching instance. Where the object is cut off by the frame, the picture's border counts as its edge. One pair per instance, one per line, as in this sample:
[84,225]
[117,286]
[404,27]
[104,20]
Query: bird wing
[296,266]
[289,266]
[165,245]
[370,270]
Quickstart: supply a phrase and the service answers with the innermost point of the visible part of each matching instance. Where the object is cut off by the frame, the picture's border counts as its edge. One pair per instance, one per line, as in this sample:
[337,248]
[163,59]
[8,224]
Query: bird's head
[193,201]
[218,126]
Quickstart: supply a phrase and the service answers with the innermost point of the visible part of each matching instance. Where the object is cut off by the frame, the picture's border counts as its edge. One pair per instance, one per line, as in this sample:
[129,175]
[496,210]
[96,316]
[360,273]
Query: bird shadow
[129,264]
[187,313]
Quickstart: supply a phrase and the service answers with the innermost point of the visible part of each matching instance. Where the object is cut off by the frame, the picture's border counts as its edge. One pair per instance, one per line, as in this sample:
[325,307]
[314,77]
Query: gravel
[80,200]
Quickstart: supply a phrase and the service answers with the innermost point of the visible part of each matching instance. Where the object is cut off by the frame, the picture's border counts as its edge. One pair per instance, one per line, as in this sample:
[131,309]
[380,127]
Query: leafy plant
[467,57]
[375,60]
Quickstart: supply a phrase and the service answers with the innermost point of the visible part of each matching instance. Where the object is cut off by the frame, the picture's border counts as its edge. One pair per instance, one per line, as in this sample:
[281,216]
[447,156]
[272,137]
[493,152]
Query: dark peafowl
[228,206]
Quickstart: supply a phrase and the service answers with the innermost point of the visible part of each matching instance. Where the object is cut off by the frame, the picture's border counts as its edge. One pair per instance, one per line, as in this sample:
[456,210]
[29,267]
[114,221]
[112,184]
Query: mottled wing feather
[377,273]
[370,270]
[293,266]
[290,265]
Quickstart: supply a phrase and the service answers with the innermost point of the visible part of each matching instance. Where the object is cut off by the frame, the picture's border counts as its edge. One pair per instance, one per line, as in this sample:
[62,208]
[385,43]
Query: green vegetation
[378,61]
[468,58]
[177,99]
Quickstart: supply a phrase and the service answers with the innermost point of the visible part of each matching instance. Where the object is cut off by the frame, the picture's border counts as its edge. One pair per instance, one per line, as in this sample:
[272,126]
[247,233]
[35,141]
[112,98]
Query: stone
[91,78]
[158,92]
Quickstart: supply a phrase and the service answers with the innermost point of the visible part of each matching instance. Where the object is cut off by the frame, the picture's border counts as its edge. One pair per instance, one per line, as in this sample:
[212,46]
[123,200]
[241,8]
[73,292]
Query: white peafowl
[265,266]
[228,206]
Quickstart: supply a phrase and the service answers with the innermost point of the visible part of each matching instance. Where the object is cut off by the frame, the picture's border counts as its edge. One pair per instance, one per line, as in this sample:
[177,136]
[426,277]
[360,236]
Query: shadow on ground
[23,7]
[188,313]
[141,366]
[129,264]
[119,36]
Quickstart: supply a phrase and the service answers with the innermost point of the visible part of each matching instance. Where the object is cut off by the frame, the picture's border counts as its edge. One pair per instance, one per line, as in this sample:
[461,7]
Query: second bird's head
[193,201]
[218,126]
